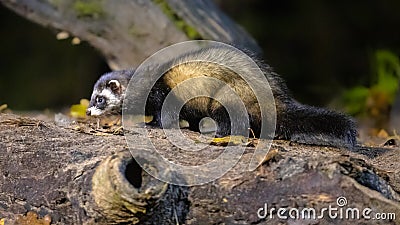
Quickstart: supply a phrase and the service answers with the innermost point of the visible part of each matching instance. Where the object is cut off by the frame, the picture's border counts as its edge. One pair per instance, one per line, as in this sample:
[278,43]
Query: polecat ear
[114,85]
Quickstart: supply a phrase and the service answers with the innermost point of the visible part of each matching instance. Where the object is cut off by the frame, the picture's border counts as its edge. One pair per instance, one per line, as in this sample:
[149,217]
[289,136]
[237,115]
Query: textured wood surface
[80,178]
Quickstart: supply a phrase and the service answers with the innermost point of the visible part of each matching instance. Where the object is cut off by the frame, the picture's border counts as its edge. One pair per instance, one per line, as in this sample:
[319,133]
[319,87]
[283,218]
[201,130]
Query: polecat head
[108,93]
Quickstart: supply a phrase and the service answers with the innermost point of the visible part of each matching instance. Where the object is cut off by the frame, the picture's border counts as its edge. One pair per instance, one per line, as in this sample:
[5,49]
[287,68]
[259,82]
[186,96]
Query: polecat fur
[294,121]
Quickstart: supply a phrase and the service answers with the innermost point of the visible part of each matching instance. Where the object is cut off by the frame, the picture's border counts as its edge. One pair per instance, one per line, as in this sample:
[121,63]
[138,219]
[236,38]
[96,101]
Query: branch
[127,32]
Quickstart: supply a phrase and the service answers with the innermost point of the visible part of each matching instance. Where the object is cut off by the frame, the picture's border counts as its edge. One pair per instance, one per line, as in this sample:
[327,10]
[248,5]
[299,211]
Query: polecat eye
[100,100]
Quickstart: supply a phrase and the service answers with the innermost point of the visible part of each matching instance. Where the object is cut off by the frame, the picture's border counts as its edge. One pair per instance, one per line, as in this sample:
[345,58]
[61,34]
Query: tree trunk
[127,32]
[74,177]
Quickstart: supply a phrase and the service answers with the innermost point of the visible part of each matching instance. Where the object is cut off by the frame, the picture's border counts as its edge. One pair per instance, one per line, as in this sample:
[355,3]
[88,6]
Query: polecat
[295,121]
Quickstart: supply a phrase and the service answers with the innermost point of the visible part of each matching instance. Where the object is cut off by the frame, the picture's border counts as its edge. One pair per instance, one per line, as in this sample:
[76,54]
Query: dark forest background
[320,48]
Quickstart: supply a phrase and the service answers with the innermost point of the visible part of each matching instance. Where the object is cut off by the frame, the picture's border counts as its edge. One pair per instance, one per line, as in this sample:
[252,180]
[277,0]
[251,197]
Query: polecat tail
[312,125]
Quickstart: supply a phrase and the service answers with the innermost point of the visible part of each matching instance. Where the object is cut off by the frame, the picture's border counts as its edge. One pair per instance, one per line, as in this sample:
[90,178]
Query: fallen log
[67,176]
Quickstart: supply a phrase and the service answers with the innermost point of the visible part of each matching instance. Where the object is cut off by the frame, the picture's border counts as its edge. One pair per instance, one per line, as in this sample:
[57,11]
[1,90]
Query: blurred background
[331,53]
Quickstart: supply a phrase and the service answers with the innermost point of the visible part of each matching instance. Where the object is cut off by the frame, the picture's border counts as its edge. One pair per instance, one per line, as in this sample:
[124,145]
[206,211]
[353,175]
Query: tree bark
[127,32]
[76,177]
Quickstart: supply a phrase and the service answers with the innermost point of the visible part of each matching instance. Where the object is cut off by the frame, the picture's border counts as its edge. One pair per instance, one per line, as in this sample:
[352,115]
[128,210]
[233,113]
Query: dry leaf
[3,107]
[75,41]
[62,35]
[232,140]
[382,134]
[79,110]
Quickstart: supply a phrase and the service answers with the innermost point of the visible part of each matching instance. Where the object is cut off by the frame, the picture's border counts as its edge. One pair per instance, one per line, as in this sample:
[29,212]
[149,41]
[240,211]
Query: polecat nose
[88,112]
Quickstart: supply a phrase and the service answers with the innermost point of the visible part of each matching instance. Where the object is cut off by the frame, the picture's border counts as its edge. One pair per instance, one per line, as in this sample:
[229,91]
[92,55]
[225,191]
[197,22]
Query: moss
[89,8]
[55,3]
[135,32]
[190,31]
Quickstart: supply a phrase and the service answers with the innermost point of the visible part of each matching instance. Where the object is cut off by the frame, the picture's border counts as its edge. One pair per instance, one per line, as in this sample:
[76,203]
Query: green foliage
[354,100]
[190,31]
[89,8]
[388,73]
[384,85]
